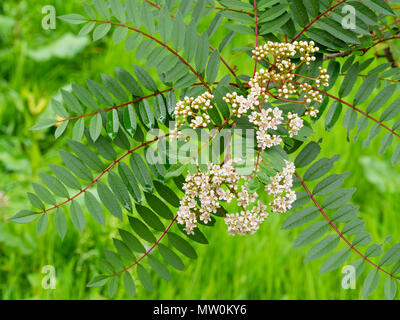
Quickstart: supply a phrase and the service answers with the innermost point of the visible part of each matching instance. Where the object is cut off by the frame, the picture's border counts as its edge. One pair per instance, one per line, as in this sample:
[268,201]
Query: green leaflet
[120,191]
[102,8]
[101,31]
[24,216]
[76,166]
[381,98]
[349,80]
[158,206]
[333,115]
[299,12]
[109,200]
[36,202]
[353,227]
[335,260]
[300,218]
[133,41]
[42,223]
[95,127]
[60,222]
[54,185]
[320,168]
[94,208]
[307,154]
[131,241]
[336,30]
[123,250]
[366,89]
[129,284]
[77,216]
[113,287]
[98,281]
[182,245]
[73,18]
[329,184]
[130,181]
[145,78]
[114,87]
[371,282]
[159,268]
[146,114]
[202,53]
[130,120]
[129,82]
[99,92]
[44,194]
[112,124]
[71,101]
[150,218]
[144,278]
[166,193]
[390,288]
[311,233]
[118,10]
[323,247]
[141,230]
[114,259]
[86,155]
[84,96]
[390,256]
[120,34]
[171,257]
[345,213]
[338,198]
[362,239]
[141,171]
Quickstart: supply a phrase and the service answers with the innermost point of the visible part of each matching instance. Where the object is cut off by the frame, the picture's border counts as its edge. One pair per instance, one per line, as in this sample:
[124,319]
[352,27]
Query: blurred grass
[262,266]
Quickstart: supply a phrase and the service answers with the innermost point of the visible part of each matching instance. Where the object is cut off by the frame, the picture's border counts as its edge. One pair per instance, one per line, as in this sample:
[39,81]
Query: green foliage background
[263,266]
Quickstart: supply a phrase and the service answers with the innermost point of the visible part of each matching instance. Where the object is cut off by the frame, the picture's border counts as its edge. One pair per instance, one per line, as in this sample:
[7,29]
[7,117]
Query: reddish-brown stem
[211,47]
[365,50]
[162,44]
[105,171]
[316,19]
[365,75]
[356,109]
[173,220]
[118,106]
[256,28]
[149,250]
[208,7]
[337,230]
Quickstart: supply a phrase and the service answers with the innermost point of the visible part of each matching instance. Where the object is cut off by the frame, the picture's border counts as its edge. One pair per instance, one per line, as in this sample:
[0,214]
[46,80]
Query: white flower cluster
[310,94]
[281,189]
[203,191]
[246,222]
[196,108]
[240,104]
[282,52]
[295,123]
[265,120]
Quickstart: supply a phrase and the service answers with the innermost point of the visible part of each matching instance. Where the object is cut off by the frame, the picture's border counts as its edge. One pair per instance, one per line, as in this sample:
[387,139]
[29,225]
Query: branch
[211,47]
[105,171]
[316,19]
[356,109]
[118,106]
[337,231]
[162,44]
[149,250]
